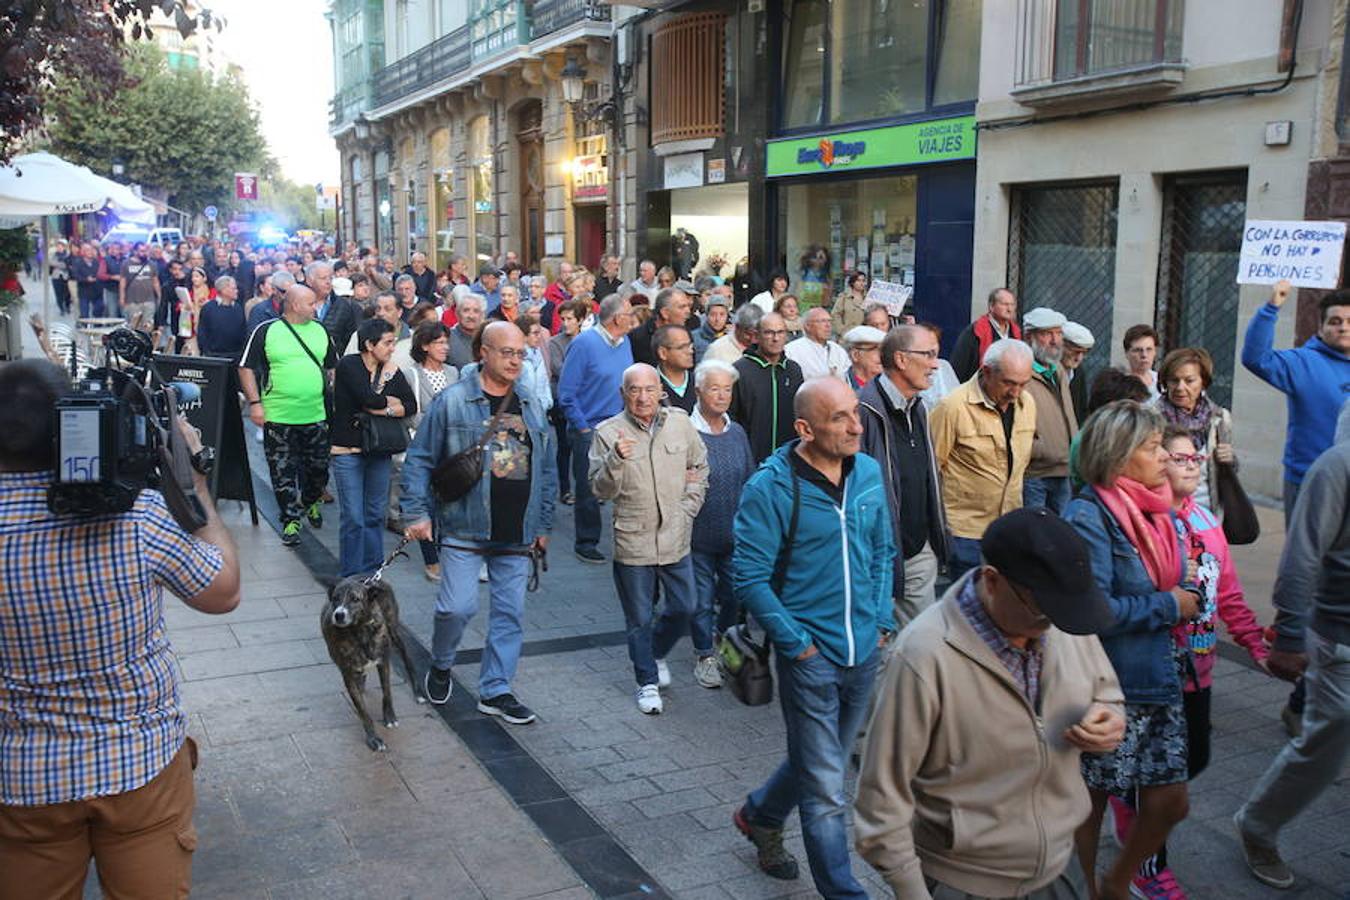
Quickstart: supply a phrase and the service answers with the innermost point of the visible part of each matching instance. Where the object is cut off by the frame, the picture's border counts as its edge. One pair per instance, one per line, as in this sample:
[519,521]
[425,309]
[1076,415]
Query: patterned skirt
[1153,752]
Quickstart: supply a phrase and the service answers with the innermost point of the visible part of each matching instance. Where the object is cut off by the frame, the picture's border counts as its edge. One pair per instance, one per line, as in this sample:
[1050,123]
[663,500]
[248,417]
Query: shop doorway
[590,225]
[530,137]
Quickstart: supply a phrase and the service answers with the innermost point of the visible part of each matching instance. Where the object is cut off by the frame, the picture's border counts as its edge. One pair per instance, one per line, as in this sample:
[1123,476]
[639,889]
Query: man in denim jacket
[507,513]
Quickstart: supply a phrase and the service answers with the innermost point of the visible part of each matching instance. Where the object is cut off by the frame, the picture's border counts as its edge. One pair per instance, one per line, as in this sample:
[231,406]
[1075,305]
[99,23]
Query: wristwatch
[388,412]
[204,460]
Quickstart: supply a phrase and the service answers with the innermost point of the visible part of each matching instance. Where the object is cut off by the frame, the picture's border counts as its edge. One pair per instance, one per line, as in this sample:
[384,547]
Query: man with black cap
[970,782]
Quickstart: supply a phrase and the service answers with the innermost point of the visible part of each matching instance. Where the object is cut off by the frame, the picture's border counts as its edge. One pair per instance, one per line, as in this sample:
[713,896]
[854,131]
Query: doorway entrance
[530,137]
[590,221]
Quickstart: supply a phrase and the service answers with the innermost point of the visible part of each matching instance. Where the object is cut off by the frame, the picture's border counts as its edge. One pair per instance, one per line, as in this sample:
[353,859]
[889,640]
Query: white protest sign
[893,294]
[1306,253]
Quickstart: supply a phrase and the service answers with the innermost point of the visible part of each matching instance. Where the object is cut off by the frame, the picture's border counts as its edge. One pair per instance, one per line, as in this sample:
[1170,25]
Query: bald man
[650,461]
[287,365]
[827,614]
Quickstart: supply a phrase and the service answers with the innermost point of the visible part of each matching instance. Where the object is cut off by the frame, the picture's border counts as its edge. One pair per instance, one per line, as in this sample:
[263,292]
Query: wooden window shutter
[688,57]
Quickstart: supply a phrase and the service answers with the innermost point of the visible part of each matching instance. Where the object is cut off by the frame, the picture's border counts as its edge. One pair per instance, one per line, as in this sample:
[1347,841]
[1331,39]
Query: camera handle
[176,478]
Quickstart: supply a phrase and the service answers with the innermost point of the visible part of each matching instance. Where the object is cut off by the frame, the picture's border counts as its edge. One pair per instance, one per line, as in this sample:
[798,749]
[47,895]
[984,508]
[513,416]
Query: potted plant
[15,247]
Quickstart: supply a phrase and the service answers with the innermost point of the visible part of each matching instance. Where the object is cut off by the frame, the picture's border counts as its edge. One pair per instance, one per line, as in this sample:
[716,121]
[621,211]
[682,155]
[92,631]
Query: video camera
[117,434]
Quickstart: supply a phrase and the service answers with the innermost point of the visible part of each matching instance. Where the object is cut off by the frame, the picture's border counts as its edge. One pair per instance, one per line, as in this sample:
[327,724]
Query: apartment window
[1062,254]
[482,203]
[859,60]
[1097,36]
[688,59]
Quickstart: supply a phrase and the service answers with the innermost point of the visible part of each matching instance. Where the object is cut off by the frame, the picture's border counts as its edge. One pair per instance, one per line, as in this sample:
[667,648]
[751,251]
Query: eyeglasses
[926,354]
[507,352]
[1188,459]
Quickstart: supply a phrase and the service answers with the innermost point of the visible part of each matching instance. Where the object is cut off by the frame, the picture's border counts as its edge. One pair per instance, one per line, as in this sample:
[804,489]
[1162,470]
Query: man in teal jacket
[822,591]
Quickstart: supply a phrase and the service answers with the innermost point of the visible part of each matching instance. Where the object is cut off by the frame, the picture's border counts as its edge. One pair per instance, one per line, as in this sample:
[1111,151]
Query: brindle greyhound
[359,623]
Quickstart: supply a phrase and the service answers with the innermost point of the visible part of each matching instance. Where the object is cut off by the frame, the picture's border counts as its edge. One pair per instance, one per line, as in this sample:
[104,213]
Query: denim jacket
[455,422]
[1140,644]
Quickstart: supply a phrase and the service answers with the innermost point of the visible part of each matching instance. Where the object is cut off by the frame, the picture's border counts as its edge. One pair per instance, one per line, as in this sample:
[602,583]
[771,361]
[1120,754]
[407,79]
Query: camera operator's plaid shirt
[88,683]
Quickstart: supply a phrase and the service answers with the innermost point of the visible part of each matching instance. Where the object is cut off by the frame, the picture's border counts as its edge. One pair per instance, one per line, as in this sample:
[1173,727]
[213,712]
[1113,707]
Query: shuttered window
[688,55]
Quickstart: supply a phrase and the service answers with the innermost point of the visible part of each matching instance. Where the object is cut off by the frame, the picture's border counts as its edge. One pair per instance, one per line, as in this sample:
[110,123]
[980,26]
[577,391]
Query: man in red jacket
[1000,322]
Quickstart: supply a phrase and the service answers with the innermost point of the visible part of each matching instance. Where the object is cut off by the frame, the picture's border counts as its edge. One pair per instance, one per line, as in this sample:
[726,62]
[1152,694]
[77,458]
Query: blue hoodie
[837,590]
[1314,378]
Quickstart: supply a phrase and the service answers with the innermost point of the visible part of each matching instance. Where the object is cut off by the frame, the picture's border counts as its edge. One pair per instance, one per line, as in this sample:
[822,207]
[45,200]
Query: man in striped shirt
[95,761]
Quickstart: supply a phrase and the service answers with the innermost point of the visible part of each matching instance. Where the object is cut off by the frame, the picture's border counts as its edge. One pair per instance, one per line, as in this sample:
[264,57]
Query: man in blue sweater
[1315,378]
[822,591]
[588,394]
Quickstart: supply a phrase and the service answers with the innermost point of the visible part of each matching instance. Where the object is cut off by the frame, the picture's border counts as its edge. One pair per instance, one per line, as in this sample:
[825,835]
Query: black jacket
[1078,393]
[340,319]
[761,401]
[606,286]
[426,282]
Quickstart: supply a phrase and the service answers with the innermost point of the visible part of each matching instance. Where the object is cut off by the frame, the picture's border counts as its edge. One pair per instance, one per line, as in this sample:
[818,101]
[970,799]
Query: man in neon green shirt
[292,358]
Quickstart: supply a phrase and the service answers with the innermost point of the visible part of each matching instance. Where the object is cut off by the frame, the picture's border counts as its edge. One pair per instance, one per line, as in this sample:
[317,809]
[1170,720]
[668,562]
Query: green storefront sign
[942,140]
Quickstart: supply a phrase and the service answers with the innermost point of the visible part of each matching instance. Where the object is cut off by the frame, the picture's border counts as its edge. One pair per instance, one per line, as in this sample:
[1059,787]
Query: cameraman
[94,755]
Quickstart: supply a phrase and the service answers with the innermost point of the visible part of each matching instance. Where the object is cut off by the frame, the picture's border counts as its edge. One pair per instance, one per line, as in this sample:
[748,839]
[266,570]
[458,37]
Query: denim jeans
[965,556]
[684,614]
[823,707]
[363,495]
[586,511]
[637,592]
[714,597]
[91,304]
[457,602]
[1051,492]
[1312,761]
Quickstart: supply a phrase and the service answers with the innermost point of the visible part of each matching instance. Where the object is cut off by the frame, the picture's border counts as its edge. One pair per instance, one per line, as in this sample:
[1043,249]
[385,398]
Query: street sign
[325,201]
[245,186]
[211,212]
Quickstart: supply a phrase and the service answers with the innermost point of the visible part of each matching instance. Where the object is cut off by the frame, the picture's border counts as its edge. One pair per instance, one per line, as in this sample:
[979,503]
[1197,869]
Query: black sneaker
[507,707]
[590,555]
[774,859]
[437,685]
[290,534]
[315,514]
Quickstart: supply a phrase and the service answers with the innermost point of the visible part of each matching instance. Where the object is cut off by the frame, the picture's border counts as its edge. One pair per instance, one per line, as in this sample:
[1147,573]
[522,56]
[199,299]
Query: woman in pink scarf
[1125,515]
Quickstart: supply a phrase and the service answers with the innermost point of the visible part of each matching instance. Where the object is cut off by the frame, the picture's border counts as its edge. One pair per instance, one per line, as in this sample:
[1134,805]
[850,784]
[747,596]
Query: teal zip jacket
[836,591]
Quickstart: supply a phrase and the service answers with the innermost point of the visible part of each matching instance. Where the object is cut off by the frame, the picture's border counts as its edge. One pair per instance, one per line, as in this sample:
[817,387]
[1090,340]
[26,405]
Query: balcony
[550,16]
[437,61]
[347,104]
[1072,51]
[496,26]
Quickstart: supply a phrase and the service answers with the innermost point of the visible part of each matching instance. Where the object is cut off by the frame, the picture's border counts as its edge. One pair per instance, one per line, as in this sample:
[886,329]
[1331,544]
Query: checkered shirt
[1023,665]
[88,682]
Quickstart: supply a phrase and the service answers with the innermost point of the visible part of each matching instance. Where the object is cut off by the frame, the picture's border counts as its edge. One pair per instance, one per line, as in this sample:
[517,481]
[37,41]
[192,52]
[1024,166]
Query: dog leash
[378,574]
[538,559]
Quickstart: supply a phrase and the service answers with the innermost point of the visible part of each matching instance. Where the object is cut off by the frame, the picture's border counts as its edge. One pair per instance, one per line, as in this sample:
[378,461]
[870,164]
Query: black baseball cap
[1040,552]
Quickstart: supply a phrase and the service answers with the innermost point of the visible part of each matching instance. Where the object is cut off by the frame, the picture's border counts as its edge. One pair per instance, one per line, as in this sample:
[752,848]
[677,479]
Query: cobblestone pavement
[594,799]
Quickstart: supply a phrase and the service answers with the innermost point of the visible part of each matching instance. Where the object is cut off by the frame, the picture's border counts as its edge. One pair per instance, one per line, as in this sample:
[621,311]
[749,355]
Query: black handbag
[456,475]
[381,435]
[1240,524]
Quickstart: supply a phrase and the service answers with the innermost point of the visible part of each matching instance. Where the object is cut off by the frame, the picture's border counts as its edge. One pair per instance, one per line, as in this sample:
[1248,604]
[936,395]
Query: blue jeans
[586,511]
[363,496]
[713,590]
[823,707]
[457,602]
[91,304]
[637,592]
[1051,492]
[964,557]
[683,612]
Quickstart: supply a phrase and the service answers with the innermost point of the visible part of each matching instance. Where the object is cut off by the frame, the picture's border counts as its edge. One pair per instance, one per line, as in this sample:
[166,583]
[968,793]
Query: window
[1096,36]
[384,204]
[688,100]
[443,192]
[860,60]
[482,204]
[1062,254]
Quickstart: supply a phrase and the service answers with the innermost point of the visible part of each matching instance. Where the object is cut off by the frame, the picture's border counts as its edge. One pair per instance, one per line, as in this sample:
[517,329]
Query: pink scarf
[1145,515]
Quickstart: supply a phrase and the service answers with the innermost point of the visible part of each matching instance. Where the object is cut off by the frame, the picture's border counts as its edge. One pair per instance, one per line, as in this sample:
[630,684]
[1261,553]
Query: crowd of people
[1006,574]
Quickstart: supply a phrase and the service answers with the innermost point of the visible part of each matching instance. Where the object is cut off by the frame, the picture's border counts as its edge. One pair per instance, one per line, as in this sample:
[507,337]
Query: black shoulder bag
[381,435]
[456,475]
[743,660]
[323,373]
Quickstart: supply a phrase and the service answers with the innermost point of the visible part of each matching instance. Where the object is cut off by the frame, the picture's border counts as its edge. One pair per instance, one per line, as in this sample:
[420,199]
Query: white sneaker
[649,699]
[483,574]
[706,672]
[662,674]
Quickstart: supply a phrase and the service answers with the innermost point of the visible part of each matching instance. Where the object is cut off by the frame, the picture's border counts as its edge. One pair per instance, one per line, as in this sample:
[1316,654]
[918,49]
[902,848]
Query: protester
[221,328]
[827,615]
[503,518]
[762,399]
[470,311]
[1046,482]
[95,762]
[609,280]
[716,317]
[570,316]
[1077,342]
[432,374]
[650,462]
[982,437]
[848,308]
[1141,351]
[878,316]
[367,382]
[671,307]
[405,291]
[138,287]
[645,284]
[731,346]
[487,287]
[293,357]
[863,344]
[109,275]
[1312,641]
[338,315]
[58,268]
[998,323]
[1138,562]
[896,435]
[84,272]
[814,352]
[534,373]
[988,702]
[424,279]
[272,306]
[787,307]
[1186,375]
[675,364]
[778,286]
[589,393]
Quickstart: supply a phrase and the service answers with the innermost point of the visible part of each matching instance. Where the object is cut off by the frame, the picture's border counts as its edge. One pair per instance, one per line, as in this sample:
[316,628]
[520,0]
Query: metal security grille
[1197,269]
[1062,254]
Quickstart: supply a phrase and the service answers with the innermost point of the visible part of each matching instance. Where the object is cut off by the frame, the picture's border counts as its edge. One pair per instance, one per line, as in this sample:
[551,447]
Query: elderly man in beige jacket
[650,461]
[970,783]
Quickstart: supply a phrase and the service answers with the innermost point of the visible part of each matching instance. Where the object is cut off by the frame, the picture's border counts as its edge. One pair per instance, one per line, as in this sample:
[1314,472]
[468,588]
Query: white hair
[1006,348]
[714,367]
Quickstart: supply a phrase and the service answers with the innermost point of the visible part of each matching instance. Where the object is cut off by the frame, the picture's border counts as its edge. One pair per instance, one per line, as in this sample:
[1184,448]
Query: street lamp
[573,81]
[362,128]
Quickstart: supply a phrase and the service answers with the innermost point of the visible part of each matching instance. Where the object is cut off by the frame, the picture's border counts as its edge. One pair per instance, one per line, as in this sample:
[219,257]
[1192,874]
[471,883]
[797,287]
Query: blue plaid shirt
[88,683]
[1023,665]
